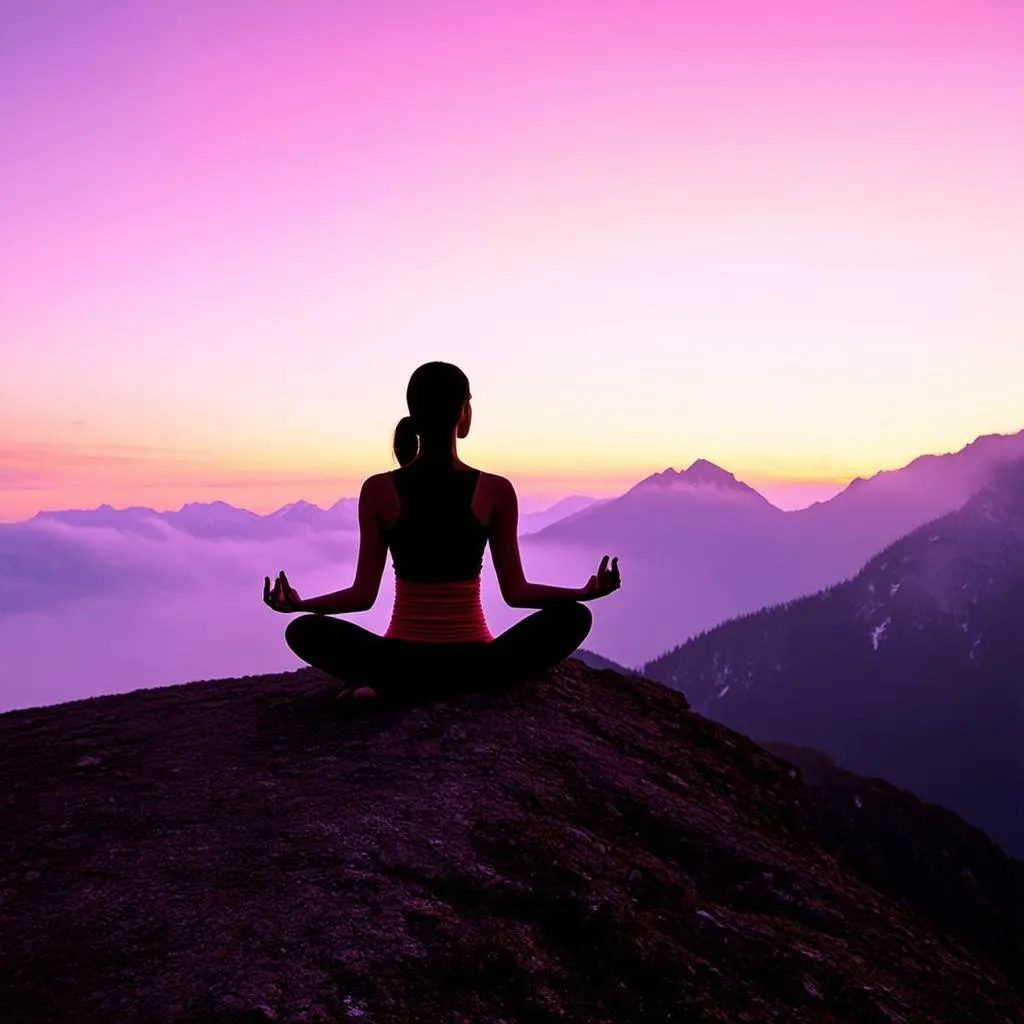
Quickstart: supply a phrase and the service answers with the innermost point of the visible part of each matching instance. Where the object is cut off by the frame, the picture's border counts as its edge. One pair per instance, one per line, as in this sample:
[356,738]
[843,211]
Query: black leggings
[406,670]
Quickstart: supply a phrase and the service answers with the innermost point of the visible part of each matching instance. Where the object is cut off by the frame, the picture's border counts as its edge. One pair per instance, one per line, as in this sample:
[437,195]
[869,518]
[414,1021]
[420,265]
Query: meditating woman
[436,515]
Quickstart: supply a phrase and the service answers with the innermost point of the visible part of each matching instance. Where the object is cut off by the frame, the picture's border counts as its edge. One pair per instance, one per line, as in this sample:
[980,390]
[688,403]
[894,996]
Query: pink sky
[784,237]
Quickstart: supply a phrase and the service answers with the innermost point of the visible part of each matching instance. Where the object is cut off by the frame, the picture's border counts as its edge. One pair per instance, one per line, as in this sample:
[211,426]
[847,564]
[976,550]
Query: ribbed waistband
[444,613]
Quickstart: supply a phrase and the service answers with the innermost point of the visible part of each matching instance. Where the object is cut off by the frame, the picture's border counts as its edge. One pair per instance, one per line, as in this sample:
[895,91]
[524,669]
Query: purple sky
[785,237]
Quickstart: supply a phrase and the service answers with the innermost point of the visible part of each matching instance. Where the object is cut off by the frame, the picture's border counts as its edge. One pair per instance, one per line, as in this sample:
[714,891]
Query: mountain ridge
[220,518]
[909,670]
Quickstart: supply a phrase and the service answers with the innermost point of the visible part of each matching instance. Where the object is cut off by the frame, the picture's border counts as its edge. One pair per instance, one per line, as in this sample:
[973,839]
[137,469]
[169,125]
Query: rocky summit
[583,848]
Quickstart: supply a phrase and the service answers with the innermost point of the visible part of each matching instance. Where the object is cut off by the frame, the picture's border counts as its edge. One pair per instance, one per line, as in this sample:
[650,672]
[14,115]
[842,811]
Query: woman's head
[438,399]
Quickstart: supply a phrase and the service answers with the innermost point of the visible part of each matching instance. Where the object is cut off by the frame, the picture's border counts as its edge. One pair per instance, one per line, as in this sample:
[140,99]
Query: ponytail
[406,443]
[436,395]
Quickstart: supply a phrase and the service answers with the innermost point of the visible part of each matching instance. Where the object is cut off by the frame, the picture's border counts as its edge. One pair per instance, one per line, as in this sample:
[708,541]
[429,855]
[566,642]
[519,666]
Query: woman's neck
[439,453]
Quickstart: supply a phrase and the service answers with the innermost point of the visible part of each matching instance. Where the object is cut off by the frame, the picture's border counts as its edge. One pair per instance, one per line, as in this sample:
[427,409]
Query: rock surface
[581,849]
[946,870]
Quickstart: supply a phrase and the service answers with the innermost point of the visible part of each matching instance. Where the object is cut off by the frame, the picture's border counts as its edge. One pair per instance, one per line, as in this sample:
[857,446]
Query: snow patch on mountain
[878,632]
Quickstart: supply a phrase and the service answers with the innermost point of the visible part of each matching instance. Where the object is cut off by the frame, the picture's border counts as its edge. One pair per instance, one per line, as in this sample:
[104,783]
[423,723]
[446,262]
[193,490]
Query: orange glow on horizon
[57,476]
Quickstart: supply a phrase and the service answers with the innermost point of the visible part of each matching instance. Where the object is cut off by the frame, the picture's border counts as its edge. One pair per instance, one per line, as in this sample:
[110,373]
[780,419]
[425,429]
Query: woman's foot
[357,693]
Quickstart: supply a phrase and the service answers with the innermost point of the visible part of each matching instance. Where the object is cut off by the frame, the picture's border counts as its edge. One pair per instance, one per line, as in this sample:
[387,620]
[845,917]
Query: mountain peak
[216,503]
[301,866]
[700,478]
[300,509]
[705,472]
[217,507]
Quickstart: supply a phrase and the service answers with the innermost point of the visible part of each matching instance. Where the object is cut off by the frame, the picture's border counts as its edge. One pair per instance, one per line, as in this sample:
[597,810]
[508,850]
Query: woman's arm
[373,550]
[516,590]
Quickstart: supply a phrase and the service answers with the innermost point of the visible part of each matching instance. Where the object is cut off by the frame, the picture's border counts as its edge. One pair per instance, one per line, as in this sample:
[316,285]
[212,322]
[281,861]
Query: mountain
[841,533]
[702,481]
[910,671]
[219,519]
[211,520]
[925,488]
[134,519]
[531,522]
[598,661]
[695,547]
[299,512]
[699,547]
[344,513]
[581,848]
[665,505]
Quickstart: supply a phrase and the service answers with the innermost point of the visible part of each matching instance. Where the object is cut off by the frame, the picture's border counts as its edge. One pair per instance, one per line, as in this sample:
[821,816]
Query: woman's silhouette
[436,515]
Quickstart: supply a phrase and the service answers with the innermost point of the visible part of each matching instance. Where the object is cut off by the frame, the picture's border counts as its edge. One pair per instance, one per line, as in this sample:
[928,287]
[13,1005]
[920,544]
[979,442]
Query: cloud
[87,611]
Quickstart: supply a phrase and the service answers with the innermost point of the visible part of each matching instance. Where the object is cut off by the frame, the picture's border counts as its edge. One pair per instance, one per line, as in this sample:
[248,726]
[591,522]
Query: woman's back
[436,537]
[437,547]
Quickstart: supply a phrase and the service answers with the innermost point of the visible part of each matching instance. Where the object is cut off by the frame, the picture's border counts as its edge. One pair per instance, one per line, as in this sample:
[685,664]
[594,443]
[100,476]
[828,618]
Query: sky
[784,237]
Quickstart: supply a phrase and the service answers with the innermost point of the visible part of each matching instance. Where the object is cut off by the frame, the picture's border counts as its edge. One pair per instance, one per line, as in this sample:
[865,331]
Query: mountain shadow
[583,848]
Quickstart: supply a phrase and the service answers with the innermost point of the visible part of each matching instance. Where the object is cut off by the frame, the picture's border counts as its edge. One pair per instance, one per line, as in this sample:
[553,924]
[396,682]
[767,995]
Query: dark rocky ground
[582,849]
[922,855]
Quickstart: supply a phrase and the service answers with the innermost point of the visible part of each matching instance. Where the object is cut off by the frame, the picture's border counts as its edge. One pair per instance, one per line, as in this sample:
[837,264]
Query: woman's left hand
[605,582]
[284,597]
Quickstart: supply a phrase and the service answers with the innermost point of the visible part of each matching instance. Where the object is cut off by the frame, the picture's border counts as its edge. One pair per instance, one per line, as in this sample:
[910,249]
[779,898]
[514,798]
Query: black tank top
[436,538]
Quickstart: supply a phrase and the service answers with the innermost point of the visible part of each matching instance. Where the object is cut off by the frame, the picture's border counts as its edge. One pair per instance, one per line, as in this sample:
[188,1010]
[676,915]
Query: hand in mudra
[606,580]
[284,597]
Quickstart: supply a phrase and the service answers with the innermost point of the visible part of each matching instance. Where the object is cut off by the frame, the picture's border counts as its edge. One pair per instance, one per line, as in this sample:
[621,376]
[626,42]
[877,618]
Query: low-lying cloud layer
[87,611]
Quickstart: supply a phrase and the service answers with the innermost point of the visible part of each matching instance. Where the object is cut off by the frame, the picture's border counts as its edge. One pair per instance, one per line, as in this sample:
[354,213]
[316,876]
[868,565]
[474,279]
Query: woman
[436,515]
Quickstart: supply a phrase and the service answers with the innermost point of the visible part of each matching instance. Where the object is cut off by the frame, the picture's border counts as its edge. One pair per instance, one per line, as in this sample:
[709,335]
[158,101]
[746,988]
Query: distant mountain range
[913,670]
[219,519]
[699,546]
[214,519]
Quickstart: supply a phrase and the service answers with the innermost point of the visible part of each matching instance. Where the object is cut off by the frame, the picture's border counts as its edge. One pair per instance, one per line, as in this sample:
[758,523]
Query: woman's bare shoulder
[378,482]
[379,491]
[495,484]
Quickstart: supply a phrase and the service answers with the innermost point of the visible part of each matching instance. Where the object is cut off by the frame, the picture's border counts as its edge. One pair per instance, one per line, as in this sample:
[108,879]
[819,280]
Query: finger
[603,567]
[266,589]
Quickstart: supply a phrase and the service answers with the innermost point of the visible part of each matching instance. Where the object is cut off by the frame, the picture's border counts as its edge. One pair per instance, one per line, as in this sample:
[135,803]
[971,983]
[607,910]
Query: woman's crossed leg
[407,670]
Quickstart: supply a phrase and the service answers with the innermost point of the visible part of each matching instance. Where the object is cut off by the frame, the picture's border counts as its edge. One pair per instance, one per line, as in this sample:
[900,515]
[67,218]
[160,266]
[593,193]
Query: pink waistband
[443,613]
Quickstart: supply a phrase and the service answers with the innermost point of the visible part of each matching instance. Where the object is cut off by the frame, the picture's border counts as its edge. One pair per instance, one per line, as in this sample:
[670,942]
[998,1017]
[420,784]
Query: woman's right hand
[284,597]
[605,582]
